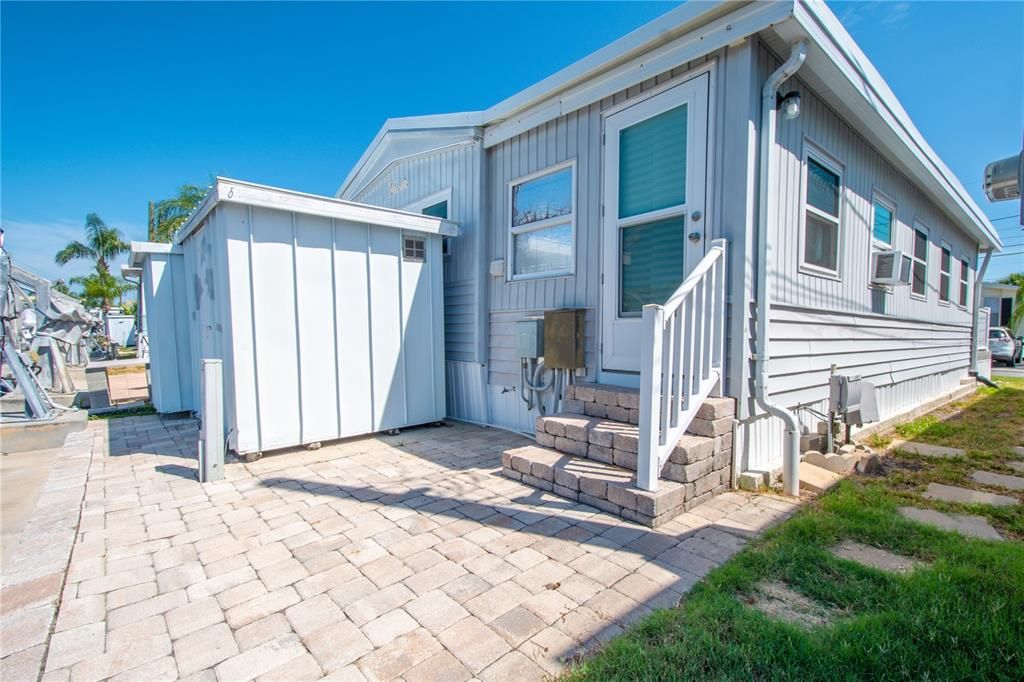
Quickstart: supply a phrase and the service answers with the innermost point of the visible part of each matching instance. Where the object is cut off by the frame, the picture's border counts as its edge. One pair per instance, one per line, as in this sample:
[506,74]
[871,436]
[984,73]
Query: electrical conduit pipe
[767,190]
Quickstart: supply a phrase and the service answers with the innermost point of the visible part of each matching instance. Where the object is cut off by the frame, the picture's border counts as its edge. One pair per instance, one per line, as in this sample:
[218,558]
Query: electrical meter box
[563,338]
[530,337]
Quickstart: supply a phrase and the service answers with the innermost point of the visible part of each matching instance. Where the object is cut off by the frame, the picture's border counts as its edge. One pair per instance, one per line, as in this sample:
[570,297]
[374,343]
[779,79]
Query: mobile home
[736,201]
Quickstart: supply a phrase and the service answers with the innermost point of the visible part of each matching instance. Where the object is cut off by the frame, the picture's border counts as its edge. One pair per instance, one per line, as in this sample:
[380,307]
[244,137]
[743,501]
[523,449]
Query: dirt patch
[777,600]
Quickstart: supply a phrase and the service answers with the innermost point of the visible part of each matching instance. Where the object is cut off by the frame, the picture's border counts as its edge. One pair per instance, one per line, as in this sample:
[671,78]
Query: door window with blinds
[542,217]
[652,204]
[823,190]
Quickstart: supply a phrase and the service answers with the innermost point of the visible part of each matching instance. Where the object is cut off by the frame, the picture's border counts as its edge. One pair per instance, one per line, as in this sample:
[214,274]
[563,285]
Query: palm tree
[170,214]
[102,244]
[100,288]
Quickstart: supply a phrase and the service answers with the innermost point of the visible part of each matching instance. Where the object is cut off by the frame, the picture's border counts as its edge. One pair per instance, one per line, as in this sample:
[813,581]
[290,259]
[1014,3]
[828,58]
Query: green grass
[960,617]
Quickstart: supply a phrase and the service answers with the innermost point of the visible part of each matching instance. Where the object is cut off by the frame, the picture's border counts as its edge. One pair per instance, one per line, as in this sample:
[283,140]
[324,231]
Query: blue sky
[106,106]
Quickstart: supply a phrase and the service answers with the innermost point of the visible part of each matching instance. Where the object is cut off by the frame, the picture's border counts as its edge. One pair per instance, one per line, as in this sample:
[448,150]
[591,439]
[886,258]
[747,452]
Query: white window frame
[963,279]
[946,246]
[417,206]
[415,237]
[918,226]
[879,197]
[830,162]
[512,231]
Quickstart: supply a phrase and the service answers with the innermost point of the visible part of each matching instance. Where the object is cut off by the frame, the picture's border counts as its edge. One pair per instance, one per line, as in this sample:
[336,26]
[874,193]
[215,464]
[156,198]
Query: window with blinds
[652,164]
[822,200]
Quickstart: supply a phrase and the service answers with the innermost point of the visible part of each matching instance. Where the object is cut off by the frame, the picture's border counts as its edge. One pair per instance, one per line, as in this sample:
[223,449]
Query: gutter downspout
[978,295]
[767,189]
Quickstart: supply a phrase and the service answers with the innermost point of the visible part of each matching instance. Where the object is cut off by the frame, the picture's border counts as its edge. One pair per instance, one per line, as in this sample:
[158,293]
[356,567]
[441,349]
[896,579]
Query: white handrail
[681,360]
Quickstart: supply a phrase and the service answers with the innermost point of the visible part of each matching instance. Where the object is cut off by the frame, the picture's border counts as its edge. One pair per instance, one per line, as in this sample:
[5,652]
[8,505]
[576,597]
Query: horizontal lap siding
[409,180]
[576,135]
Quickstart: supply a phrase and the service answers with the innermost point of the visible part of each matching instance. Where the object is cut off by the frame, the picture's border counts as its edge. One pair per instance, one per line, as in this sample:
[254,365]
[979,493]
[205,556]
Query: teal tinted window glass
[822,188]
[548,196]
[652,163]
[651,262]
[438,210]
[883,224]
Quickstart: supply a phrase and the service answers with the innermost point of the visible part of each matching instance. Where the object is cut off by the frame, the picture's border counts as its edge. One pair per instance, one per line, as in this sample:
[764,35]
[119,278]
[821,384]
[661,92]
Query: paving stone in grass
[875,557]
[925,449]
[965,524]
[1019,450]
[777,600]
[952,493]
[1001,480]
[1019,466]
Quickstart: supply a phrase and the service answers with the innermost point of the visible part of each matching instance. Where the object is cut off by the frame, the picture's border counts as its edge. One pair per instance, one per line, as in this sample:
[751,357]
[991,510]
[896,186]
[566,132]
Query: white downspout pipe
[767,190]
[979,284]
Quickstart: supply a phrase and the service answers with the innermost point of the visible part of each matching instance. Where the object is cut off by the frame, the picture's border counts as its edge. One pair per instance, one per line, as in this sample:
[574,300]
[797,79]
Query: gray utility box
[530,337]
[852,398]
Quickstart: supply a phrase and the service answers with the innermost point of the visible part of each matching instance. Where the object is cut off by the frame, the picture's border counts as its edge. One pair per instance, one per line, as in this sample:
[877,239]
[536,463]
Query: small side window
[945,273]
[823,191]
[883,219]
[919,283]
[415,249]
[965,273]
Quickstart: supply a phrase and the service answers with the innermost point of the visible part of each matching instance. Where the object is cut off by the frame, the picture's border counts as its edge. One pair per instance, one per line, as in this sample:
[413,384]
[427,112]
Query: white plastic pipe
[768,188]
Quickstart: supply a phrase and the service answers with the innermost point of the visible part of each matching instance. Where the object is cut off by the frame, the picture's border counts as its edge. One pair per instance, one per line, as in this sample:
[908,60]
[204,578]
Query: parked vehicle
[1004,347]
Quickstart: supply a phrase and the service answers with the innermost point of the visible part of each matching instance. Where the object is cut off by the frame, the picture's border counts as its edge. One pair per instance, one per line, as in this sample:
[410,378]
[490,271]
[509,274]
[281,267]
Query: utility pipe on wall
[767,191]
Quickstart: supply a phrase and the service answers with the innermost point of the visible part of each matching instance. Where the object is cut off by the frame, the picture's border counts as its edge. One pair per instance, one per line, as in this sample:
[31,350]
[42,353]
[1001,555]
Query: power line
[1010,253]
[1005,217]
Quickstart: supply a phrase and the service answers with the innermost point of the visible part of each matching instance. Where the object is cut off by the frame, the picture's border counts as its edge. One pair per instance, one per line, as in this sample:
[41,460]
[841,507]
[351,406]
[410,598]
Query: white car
[1003,346]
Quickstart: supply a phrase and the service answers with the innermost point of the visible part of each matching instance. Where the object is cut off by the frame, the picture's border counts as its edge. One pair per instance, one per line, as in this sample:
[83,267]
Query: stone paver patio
[377,558]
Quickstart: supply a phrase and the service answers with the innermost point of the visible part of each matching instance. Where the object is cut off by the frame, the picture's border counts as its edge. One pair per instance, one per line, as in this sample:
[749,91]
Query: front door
[653,226]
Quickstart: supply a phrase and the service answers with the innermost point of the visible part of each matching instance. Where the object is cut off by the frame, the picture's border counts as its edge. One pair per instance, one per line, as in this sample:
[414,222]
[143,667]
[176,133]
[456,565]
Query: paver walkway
[377,558]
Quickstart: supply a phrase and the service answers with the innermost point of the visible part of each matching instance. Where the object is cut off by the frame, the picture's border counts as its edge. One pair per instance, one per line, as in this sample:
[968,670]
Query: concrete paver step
[1001,480]
[815,479]
[965,524]
[952,493]
[875,557]
[925,449]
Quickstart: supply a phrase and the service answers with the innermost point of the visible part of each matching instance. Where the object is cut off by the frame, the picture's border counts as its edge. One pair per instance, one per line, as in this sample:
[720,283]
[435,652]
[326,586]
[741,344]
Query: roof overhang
[401,138]
[140,250]
[229,191]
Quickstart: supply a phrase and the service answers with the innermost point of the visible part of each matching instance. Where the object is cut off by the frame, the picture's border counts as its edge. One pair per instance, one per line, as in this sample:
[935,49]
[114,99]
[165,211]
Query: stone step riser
[617,444]
[608,488]
[623,405]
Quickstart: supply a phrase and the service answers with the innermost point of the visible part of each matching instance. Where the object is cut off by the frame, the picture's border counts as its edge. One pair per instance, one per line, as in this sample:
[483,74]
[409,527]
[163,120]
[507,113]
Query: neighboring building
[999,299]
[636,158]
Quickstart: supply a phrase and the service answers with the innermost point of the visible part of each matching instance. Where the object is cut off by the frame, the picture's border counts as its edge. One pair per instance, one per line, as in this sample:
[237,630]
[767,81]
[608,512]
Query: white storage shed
[327,314]
[163,305]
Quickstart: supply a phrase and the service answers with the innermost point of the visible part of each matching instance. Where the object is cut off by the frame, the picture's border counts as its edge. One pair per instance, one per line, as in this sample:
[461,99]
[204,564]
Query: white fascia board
[467,119]
[227,190]
[878,101]
[700,33]
[680,20]
[139,251]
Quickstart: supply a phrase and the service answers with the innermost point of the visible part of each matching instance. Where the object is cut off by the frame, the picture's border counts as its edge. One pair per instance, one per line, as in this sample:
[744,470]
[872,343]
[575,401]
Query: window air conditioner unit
[890,268]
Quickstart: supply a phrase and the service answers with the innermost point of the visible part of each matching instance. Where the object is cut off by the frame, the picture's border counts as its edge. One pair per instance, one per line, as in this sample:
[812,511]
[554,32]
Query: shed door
[653,227]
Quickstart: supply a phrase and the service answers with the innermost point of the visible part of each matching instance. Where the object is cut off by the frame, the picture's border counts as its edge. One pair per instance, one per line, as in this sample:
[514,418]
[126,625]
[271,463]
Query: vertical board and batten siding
[912,350]
[164,293]
[409,180]
[576,135]
[314,319]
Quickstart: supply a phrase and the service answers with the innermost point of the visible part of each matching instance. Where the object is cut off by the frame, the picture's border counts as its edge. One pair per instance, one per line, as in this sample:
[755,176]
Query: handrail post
[647,468]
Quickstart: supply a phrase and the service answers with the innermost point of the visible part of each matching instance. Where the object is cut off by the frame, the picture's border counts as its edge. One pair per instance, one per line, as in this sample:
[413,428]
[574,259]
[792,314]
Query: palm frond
[73,251]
